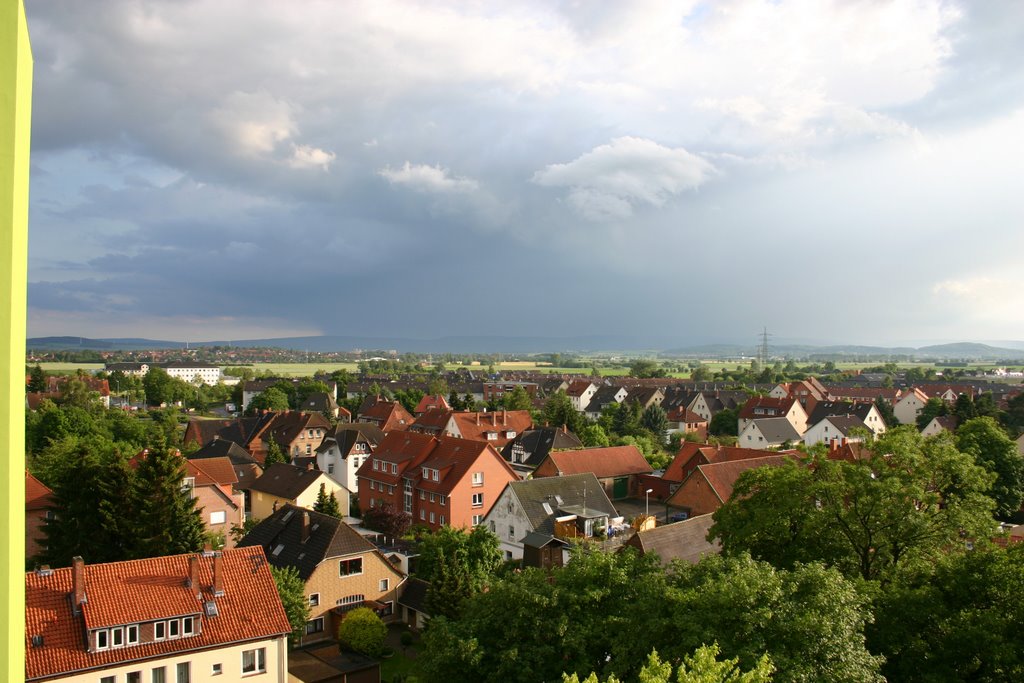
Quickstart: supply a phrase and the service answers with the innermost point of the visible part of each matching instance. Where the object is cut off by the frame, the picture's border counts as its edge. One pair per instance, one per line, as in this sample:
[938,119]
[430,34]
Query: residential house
[56,387]
[709,486]
[192,372]
[836,429]
[297,433]
[605,395]
[496,390]
[707,404]
[842,392]
[38,504]
[939,424]
[867,411]
[496,428]
[909,406]
[646,396]
[388,415]
[691,455]
[283,484]
[434,422]
[534,507]
[325,404]
[341,569]
[246,468]
[759,407]
[212,482]
[344,450]
[428,403]
[183,618]
[769,432]
[253,388]
[529,448]
[413,603]
[682,420]
[685,541]
[616,467]
[580,391]
[438,481]
[808,392]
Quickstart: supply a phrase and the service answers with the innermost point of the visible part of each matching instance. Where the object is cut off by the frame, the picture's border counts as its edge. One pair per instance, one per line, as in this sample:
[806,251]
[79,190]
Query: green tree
[275,454]
[593,436]
[963,408]
[645,368]
[991,448]
[518,399]
[292,590]
[37,379]
[933,408]
[957,620]
[157,385]
[885,411]
[725,423]
[655,420]
[866,518]
[168,521]
[271,398]
[457,564]
[362,631]
[327,503]
[558,411]
[93,505]
[703,666]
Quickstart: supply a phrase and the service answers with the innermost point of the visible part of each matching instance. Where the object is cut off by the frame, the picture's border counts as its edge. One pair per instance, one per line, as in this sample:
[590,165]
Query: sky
[225,169]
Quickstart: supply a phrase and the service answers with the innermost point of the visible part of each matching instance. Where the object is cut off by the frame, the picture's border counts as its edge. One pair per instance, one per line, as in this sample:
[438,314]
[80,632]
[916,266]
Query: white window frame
[188,626]
[173,629]
[117,634]
[348,562]
[477,519]
[478,500]
[161,625]
[478,479]
[317,624]
[314,599]
[218,517]
[259,661]
[131,634]
[106,639]
[216,669]
[383,585]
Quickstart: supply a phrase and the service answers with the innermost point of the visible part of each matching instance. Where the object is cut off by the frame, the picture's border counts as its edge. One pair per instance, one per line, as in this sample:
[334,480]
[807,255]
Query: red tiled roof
[615,461]
[711,454]
[772,407]
[578,387]
[431,402]
[389,415]
[722,476]
[454,457]
[432,421]
[136,591]
[473,425]
[37,495]
[212,471]
[400,447]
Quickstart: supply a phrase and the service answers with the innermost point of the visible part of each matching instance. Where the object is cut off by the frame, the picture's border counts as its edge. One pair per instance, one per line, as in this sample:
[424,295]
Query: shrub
[362,631]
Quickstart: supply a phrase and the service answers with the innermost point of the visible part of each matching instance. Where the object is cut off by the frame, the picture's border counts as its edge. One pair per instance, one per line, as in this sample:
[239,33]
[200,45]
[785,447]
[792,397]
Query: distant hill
[582,344]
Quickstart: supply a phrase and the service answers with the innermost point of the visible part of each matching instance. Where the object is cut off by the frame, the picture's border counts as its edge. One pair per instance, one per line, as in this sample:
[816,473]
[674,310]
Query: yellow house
[282,484]
[182,619]
[341,569]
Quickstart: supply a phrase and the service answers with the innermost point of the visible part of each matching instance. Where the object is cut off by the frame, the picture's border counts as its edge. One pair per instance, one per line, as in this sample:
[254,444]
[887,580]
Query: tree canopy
[985,440]
[911,500]
[292,590]
[457,564]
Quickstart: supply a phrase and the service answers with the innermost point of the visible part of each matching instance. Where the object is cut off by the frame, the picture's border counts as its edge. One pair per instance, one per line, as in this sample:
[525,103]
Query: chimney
[504,417]
[305,526]
[218,575]
[193,575]
[478,419]
[78,597]
[494,419]
[309,465]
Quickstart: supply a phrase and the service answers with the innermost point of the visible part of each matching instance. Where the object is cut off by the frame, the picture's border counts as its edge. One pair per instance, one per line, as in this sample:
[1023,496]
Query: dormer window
[426,473]
[102,639]
[435,474]
[492,436]
[394,468]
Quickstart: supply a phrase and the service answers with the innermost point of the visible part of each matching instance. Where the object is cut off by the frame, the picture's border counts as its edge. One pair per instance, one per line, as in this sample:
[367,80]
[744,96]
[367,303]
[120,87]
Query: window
[216,669]
[315,626]
[159,630]
[351,602]
[159,675]
[309,448]
[423,494]
[102,639]
[188,626]
[391,489]
[117,637]
[423,514]
[442,498]
[440,520]
[477,519]
[433,498]
[173,628]
[133,677]
[350,567]
[382,586]
[511,532]
[108,679]
[478,479]
[478,500]
[218,517]
[510,434]
[434,475]
[314,600]
[426,473]
[309,433]
[375,465]
[493,529]
[492,436]
[132,634]
[254,661]
[184,670]
[431,517]
[394,468]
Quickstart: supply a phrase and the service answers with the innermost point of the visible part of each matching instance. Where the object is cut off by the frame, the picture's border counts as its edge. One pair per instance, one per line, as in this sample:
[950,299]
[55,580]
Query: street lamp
[647,502]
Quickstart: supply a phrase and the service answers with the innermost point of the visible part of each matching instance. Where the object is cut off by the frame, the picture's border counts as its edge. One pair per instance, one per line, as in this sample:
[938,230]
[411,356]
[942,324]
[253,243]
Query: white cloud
[256,122]
[609,181]
[305,156]
[429,179]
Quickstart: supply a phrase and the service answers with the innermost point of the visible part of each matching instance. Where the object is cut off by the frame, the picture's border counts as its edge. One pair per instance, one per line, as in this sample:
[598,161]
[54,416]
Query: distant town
[235,512]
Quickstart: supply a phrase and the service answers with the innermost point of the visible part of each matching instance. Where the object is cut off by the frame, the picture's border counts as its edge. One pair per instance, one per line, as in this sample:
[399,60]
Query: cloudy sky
[222,169]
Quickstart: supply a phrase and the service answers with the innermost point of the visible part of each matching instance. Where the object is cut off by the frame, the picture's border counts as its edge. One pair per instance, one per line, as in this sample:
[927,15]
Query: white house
[343,451]
[768,432]
[835,428]
[909,406]
[193,372]
[580,392]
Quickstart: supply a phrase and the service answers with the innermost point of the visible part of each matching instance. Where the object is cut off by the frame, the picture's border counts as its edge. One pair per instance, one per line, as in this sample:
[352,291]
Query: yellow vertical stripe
[15,123]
